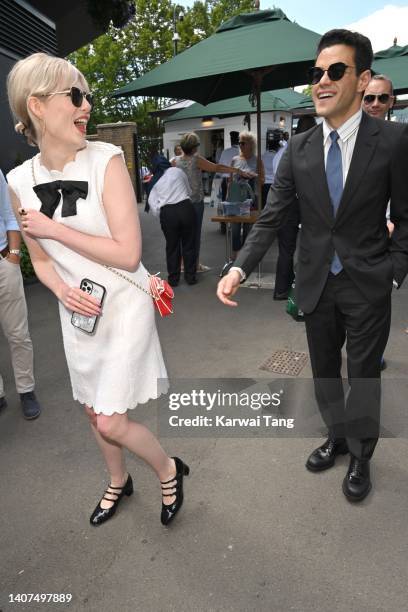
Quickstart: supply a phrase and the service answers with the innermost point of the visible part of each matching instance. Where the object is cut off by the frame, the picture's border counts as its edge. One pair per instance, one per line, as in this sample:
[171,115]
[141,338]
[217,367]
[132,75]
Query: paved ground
[257,532]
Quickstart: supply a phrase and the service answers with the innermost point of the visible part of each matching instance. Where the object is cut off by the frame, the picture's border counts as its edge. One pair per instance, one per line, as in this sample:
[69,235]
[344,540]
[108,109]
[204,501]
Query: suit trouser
[178,222]
[343,314]
[13,320]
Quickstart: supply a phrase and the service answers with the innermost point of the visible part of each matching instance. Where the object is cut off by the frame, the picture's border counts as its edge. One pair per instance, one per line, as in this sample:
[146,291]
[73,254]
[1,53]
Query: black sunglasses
[77,96]
[335,72]
[242,142]
[382,98]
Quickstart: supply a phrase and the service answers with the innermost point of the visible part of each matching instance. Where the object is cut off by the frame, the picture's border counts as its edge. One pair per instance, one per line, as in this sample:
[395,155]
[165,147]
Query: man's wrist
[240,272]
[13,258]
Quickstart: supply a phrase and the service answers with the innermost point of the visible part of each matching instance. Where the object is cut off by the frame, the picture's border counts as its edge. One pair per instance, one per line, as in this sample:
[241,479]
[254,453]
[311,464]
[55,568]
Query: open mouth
[325,95]
[80,124]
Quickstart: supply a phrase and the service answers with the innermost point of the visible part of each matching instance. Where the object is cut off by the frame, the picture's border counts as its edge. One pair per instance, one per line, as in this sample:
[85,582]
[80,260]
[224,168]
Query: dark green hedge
[27,269]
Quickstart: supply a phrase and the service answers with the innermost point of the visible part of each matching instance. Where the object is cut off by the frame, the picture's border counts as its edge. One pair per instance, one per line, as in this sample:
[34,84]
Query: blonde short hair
[38,74]
[248,137]
[189,142]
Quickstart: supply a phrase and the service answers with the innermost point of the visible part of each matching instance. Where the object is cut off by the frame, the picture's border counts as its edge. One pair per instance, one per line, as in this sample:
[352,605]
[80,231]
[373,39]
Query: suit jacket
[378,173]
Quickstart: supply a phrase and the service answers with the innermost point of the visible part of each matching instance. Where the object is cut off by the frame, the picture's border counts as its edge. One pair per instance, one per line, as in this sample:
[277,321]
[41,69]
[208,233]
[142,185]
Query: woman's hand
[36,224]
[246,174]
[77,300]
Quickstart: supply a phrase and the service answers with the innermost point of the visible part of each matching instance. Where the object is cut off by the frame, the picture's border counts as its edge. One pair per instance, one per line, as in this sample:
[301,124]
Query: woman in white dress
[78,216]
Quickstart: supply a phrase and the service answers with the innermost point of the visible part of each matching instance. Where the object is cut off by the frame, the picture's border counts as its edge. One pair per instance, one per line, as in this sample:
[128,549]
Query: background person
[169,198]
[13,309]
[287,234]
[247,163]
[378,101]
[193,165]
[93,224]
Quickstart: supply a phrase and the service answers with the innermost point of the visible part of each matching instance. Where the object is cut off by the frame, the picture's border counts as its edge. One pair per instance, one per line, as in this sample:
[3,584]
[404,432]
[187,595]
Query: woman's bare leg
[113,454]
[139,440]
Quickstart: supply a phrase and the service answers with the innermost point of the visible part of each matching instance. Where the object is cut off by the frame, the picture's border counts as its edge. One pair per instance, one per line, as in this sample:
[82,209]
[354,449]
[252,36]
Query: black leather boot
[324,456]
[357,483]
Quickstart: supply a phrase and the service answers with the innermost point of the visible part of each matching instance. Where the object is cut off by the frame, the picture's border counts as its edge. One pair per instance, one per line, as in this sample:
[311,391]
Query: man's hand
[13,258]
[228,286]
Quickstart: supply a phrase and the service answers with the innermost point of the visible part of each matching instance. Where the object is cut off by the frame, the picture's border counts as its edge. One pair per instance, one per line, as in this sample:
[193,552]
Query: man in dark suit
[342,172]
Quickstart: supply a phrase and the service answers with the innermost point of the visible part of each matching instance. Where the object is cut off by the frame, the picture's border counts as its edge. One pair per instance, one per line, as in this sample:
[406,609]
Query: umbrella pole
[258,83]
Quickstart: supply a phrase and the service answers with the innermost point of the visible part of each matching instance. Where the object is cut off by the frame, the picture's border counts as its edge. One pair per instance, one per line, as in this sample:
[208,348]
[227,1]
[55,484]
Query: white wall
[175,129]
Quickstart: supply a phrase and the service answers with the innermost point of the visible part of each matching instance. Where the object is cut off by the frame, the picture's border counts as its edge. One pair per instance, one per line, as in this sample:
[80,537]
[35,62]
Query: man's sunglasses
[242,142]
[382,98]
[77,96]
[335,72]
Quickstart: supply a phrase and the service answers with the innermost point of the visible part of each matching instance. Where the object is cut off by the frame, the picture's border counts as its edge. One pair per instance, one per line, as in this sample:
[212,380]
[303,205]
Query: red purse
[162,295]
[159,290]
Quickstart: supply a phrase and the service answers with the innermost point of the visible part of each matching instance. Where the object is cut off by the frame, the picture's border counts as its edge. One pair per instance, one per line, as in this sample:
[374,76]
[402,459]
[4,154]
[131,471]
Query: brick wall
[121,135]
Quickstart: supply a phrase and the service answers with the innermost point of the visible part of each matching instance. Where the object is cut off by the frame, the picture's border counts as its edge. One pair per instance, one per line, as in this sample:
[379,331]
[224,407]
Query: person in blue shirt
[13,309]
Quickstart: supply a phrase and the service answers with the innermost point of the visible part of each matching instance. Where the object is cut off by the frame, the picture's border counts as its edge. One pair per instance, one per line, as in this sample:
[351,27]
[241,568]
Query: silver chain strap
[126,278]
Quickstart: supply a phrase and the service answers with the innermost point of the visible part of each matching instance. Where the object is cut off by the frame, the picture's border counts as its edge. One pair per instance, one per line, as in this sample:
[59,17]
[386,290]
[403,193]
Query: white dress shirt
[347,139]
[171,188]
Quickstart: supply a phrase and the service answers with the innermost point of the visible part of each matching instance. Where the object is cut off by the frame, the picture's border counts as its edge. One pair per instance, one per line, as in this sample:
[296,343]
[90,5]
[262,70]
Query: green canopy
[277,100]
[222,65]
[393,63]
[252,52]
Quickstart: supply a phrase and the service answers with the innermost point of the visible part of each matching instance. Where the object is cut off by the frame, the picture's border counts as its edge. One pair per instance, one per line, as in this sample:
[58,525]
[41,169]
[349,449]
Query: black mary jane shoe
[100,515]
[175,485]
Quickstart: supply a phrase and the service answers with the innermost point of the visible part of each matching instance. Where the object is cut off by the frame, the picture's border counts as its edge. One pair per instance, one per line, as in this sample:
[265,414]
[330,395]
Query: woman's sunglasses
[382,98]
[335,72]
[77,96]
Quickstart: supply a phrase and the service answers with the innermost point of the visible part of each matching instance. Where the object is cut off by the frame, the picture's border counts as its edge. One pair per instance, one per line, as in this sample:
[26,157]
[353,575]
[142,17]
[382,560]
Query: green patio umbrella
[252,52]
[393,62]
[277,100]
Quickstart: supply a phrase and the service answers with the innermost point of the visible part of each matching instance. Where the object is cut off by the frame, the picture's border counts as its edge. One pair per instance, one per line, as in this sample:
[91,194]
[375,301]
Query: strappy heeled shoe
[100,515]
[175,484]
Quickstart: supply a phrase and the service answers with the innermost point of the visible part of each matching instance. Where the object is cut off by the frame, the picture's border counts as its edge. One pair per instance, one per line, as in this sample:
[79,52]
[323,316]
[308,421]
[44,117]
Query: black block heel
[175,484]
[100,515]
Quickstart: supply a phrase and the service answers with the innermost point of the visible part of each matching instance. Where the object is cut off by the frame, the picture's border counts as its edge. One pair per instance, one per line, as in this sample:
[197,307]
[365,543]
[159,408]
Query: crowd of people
[74,205]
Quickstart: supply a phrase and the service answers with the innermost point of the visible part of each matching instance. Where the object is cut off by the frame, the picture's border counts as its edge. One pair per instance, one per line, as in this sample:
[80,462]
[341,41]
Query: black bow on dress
[50,196]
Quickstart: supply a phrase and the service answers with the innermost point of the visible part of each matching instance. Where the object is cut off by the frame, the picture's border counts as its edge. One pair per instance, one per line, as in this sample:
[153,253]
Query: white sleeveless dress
[121,365]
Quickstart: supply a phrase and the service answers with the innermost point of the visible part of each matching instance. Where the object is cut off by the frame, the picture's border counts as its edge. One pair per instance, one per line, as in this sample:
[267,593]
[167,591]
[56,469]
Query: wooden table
[229,221]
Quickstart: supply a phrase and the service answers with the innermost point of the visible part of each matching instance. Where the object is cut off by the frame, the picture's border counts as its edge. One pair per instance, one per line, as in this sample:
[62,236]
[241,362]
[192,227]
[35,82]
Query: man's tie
[334,172]
[50,196]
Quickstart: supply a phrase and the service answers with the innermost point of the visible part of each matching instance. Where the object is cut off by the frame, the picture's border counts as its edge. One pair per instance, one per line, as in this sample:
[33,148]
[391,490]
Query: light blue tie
[334,172]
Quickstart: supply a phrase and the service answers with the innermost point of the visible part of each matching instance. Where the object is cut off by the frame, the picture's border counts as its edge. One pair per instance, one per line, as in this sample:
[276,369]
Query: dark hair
[306,122]
[363,51]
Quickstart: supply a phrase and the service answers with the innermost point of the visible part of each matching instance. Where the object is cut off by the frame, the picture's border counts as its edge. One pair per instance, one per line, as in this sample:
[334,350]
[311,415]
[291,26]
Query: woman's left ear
[35,106]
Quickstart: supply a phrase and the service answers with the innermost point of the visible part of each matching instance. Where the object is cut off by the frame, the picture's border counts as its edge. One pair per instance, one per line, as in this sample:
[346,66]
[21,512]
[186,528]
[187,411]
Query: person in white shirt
[169,198]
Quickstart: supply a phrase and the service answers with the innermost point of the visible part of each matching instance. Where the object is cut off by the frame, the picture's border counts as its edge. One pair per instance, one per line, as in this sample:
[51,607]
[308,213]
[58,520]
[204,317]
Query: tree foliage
[120,56]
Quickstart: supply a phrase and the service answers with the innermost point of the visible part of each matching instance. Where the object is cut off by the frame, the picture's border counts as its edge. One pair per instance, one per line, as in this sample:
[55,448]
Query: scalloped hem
[120,410]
